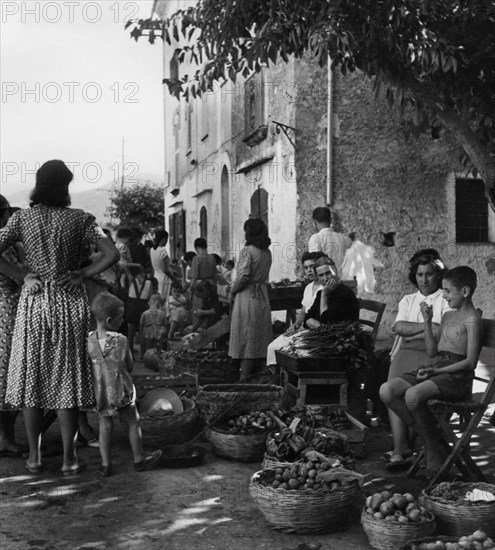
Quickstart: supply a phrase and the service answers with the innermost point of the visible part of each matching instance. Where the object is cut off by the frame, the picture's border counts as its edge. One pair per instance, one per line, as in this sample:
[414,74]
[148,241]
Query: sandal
[387,456]
[79,469]
[397,463]
[148,462]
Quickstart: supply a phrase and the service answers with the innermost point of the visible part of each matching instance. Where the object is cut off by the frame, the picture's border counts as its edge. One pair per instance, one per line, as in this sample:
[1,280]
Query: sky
[75,86]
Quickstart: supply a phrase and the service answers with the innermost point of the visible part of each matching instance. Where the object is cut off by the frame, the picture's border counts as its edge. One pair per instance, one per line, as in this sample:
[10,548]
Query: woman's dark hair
[425,257]
[217,259]
[257,233]
[160,235]
[52,185]
[123,233]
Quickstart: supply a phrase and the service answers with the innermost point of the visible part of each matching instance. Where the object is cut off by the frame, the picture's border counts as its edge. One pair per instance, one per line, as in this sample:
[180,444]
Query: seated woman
[308,261]
[334,302]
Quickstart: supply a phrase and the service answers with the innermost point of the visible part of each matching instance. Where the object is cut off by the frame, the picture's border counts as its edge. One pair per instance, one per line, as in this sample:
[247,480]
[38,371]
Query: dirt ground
[178,509]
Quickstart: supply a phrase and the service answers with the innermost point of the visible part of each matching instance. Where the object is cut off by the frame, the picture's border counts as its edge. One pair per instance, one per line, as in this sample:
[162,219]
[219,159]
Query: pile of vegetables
[254,422]
[314,471]
[344,339]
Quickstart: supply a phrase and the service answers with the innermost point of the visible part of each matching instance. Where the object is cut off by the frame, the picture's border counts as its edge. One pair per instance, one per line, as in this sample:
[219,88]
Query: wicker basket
[240,447]
[462,518]
[214,401]
[385,535]
[413,545]
[212,367]
[176,428]
[304,511]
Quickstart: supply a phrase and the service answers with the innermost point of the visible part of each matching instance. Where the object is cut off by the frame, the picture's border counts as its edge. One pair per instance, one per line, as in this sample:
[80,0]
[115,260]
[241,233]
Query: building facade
[297,136]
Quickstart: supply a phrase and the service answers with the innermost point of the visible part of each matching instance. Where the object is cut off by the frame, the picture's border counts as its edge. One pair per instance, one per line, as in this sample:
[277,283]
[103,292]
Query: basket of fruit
[302,499]
[169,428]
[392,520]
[476,541]
[242,438]
[462,507]
[216,400]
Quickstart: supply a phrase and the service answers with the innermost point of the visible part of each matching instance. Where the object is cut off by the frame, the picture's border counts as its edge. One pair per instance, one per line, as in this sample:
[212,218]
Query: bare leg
[7,431]
[33,419]
[131,333]
[131,415]
[246,369]
[416,399]
[83,426]
[68,430]
[400,433]
[105,439]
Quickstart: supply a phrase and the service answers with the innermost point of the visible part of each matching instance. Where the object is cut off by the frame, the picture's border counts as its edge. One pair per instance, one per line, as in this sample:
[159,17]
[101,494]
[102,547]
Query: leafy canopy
[138,206]
[437,56]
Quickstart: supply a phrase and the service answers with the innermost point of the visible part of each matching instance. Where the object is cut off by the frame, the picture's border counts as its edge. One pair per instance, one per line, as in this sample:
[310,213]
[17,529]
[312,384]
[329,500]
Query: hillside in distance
[95,200]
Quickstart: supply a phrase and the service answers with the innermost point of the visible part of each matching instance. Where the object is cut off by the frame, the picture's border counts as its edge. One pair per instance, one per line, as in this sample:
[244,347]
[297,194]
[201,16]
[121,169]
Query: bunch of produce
[477,541]
[254,422]
[328,441]
[400,508]
[200,356]
[335,419]
[458,492]
[285,445]
[314,471]
[344,339]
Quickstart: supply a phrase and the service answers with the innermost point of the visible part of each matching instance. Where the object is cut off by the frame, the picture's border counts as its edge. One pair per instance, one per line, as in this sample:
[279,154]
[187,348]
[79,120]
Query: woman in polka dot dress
[49,366]
[11,275]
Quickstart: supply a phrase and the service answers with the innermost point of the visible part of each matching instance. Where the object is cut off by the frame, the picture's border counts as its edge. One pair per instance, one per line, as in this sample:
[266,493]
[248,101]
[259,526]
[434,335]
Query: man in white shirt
[329,242]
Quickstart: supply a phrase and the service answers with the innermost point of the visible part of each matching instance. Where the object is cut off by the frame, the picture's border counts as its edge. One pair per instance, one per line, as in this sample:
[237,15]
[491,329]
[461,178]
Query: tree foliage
[138,206]
[436,56]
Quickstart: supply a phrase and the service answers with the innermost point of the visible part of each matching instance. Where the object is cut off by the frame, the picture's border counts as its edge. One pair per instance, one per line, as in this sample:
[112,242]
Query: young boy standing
[449,377]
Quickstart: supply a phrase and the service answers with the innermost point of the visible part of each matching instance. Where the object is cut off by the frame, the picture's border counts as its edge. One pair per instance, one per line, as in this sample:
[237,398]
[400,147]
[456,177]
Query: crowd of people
[76,300]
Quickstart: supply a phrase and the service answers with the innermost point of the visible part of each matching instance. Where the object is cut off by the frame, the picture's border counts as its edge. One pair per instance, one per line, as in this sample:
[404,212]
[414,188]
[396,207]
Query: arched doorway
[259,205]
[203,223]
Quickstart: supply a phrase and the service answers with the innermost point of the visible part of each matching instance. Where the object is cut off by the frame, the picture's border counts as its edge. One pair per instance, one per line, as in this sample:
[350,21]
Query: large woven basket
[212,367]
[461,518]
[216,400]
[240,447]
[175,428]
[304,511]
[385,535]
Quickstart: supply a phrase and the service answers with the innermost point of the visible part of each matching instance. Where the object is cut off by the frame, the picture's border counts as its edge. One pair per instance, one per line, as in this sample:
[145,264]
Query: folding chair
[459,444]
[375,307]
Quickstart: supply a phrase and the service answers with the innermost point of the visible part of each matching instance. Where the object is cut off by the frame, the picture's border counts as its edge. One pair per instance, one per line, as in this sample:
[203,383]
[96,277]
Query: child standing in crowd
[114,391]
[153,325]
[179,316]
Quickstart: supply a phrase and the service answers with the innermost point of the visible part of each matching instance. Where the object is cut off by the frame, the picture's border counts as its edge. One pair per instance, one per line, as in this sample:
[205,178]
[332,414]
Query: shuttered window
[471,211]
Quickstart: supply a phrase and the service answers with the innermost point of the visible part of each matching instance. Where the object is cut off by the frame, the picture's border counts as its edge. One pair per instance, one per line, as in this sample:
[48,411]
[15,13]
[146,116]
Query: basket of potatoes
[242,438]
[306,497]
[478,540]
[392,520]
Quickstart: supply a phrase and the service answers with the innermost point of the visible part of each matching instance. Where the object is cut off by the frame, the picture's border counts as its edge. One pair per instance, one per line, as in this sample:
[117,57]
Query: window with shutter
[472,219]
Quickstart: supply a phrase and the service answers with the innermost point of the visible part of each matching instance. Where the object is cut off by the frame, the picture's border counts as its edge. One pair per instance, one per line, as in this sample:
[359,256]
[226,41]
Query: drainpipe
[330,134]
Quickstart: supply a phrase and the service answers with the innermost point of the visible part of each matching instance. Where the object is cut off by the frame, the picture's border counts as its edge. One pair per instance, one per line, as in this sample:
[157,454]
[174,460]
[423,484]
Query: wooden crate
[295,364]
[147,382]
[359,433]
[315,388]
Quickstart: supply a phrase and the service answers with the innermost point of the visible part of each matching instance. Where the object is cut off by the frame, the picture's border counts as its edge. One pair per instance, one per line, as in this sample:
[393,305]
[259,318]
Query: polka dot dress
[9,296]
[49,364]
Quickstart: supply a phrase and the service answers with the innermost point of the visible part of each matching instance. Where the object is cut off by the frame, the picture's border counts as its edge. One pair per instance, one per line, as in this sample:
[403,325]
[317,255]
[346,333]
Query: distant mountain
[95,200]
